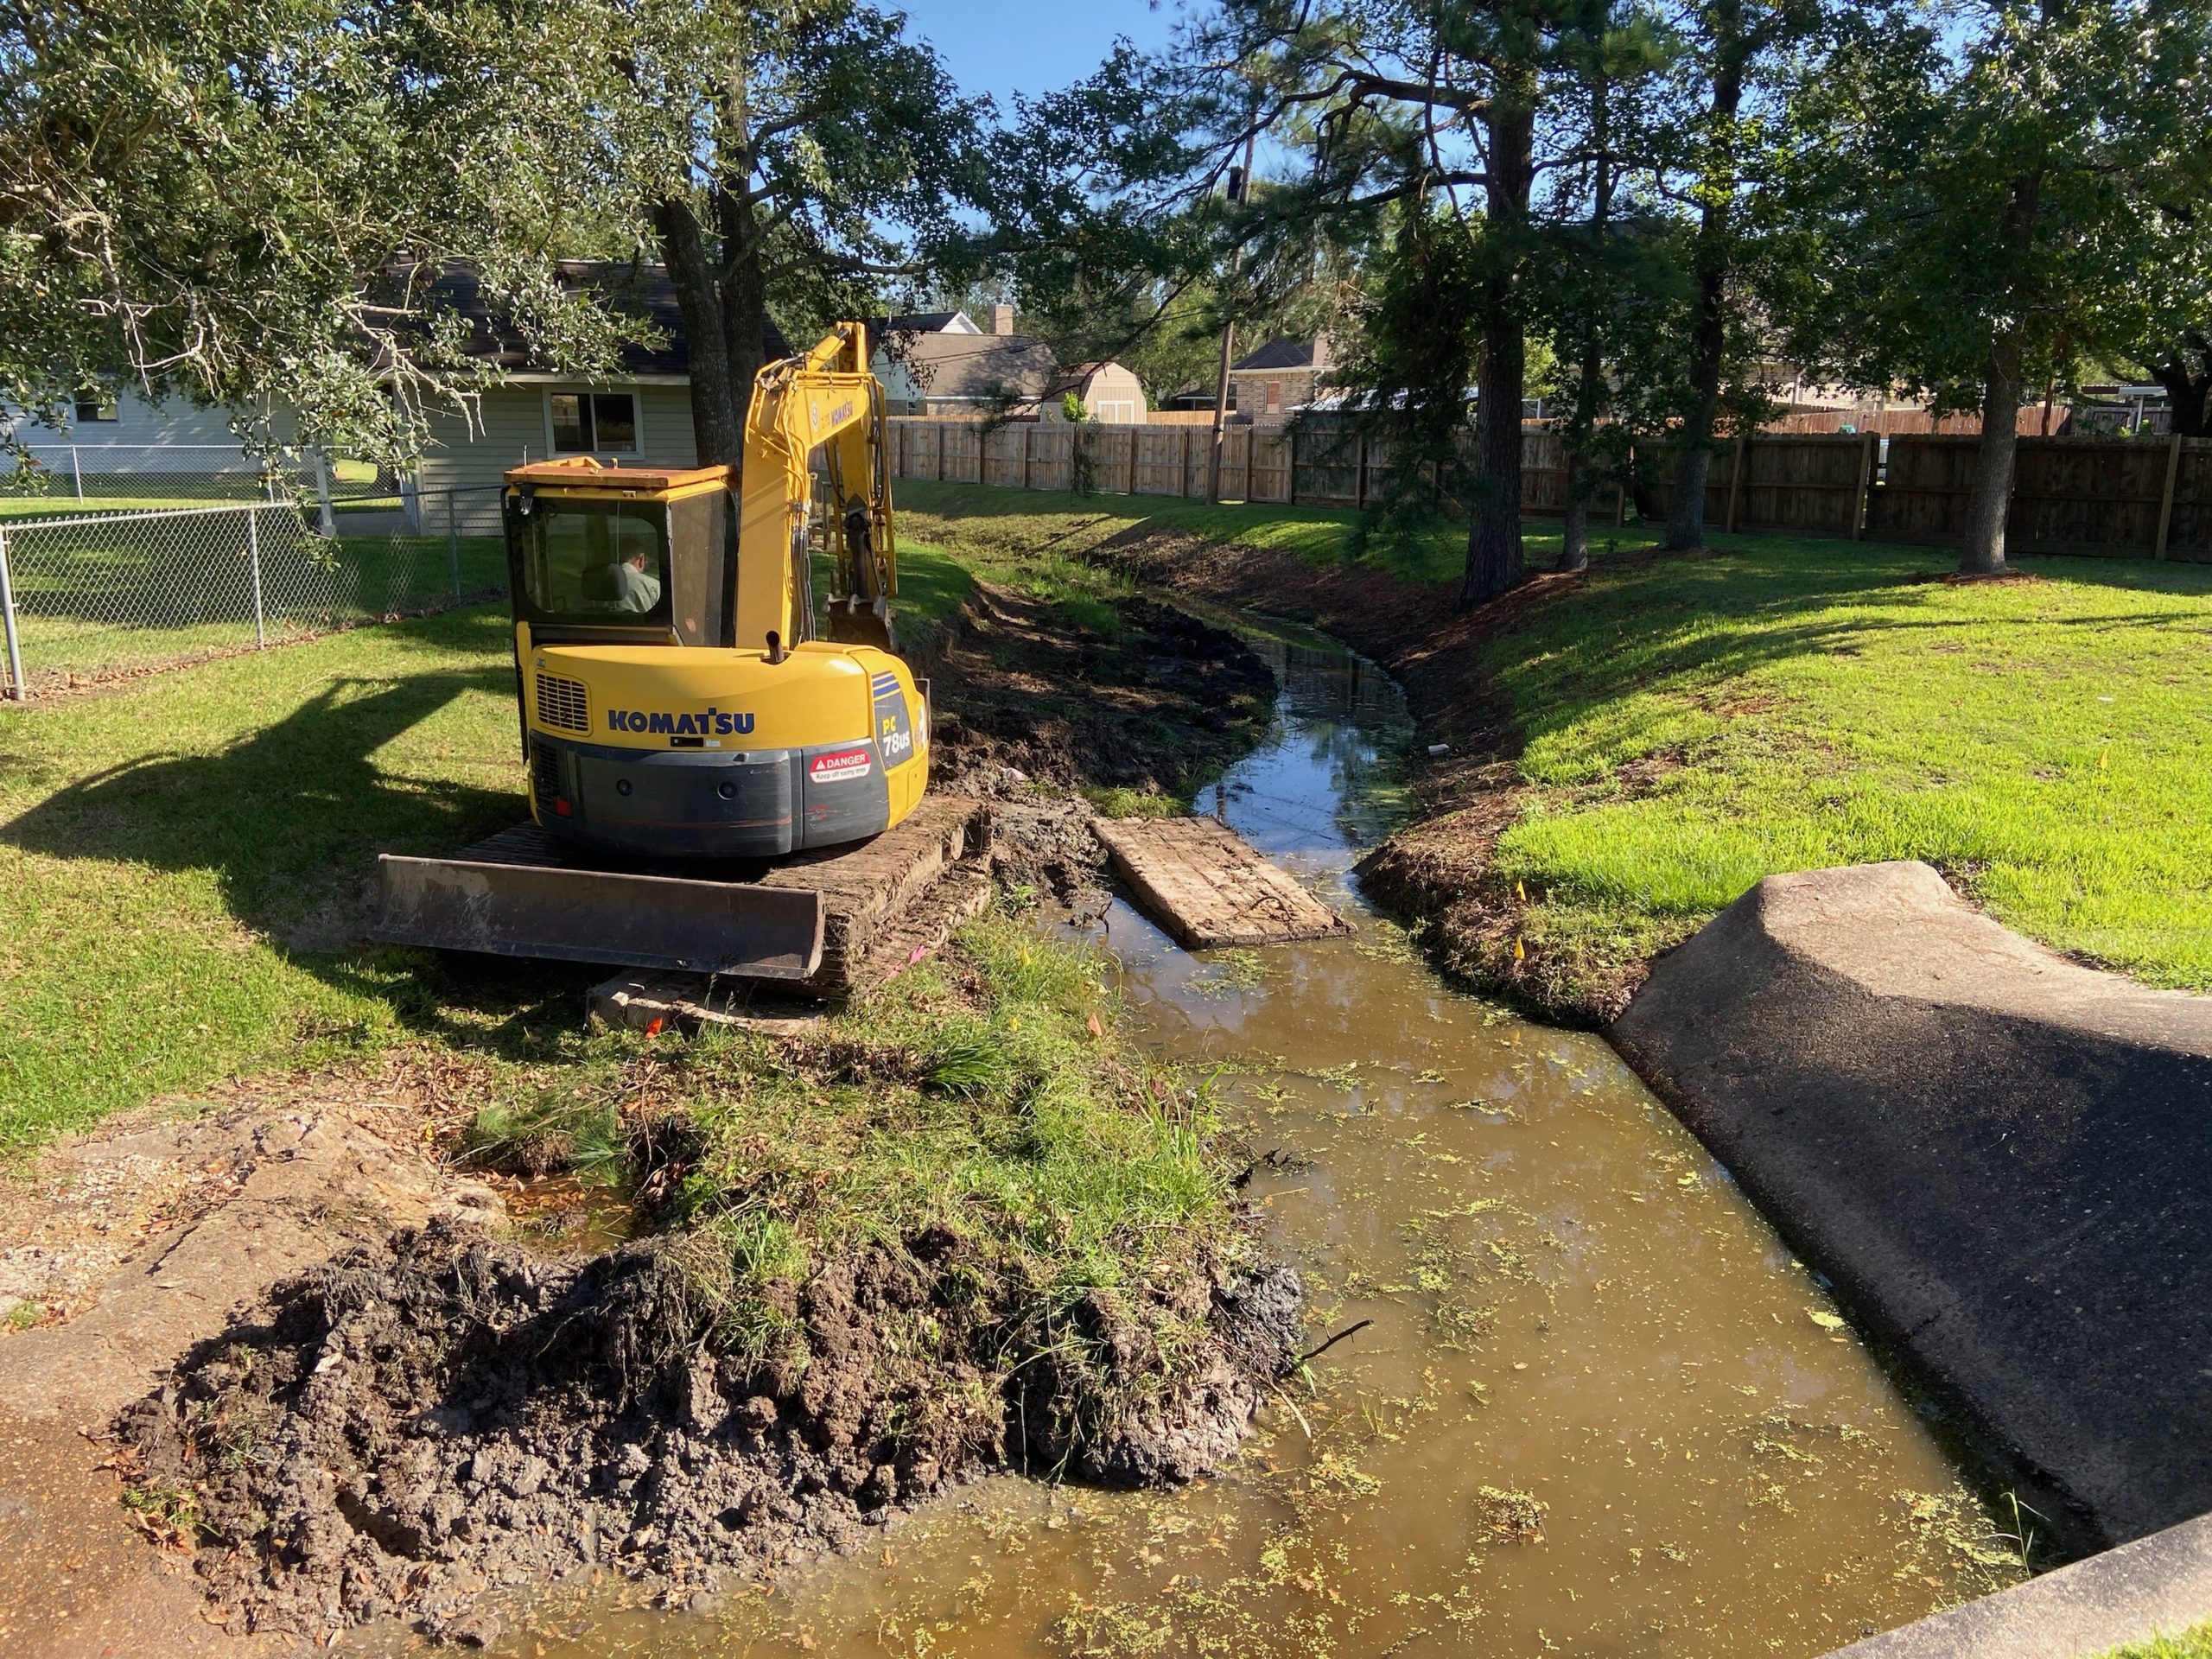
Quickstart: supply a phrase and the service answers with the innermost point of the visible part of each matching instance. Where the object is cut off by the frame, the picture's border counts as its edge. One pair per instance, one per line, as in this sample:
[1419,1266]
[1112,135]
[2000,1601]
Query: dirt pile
[416,1423]
[1138,695]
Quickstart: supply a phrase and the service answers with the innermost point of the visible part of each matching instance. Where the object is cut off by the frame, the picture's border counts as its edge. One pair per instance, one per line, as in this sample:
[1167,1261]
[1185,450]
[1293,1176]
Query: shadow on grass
[290,819]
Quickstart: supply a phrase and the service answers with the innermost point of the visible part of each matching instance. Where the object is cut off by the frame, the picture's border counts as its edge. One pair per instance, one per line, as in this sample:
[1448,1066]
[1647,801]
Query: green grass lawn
[96,598]
[177,858]
[1693,724]
[1034,529]
[63,503]
[183,859]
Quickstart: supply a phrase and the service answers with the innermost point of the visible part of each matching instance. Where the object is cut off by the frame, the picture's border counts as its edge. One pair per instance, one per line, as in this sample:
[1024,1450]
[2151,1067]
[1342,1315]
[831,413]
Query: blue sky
[1002,47]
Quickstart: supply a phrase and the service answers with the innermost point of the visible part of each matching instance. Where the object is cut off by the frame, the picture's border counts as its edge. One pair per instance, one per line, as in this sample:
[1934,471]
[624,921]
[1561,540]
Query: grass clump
[2196,1642]
[982,1101]
[558,1127]
[985,1095]
[1121,801]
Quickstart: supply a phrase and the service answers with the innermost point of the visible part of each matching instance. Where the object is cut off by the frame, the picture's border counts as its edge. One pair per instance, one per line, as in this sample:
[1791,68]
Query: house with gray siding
[638,414]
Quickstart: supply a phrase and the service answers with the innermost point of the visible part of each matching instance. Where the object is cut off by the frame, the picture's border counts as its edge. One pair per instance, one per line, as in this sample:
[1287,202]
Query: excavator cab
[676,702]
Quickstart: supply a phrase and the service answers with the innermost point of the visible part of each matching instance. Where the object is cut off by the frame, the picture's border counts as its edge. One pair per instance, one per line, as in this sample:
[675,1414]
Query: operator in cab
[632,586]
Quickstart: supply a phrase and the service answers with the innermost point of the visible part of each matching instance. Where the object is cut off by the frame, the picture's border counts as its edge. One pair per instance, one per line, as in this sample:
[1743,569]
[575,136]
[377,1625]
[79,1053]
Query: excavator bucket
[625,920]
[858,621]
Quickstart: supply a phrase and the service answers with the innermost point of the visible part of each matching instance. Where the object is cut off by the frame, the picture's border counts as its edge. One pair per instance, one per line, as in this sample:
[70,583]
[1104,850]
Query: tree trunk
[1709,339]
[1983,552]
[717,424]
[1694,443]
[745,297]
[2188,390]
[1590,385]
[1574,535]
[1496,560]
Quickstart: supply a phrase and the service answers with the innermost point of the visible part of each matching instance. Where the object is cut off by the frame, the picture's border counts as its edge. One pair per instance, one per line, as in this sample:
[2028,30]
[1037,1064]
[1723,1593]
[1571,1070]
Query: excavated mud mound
[413,1424]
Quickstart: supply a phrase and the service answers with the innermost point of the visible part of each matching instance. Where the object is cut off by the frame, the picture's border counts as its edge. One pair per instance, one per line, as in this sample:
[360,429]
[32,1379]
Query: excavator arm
[826,399]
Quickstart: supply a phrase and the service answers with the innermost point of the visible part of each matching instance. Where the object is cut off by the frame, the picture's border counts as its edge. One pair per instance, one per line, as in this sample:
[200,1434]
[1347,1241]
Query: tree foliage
[1428,132]
[251,202]
[206,197]
[1983,220]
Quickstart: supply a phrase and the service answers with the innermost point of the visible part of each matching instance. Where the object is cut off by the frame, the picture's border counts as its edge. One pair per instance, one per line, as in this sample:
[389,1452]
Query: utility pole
[1240,188]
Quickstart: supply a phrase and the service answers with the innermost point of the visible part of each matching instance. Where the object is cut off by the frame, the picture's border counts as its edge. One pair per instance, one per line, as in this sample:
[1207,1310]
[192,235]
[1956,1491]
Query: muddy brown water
[1599,1409]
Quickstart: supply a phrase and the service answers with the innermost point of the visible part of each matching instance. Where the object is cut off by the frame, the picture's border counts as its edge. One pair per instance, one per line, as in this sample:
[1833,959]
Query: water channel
[1599,1409]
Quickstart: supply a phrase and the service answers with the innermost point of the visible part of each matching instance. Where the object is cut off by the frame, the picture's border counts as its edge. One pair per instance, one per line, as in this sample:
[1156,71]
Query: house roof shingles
[1285,355]
[978,367]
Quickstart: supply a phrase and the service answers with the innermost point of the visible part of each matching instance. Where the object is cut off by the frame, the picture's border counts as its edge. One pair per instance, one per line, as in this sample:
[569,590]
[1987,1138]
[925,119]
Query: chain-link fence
[88,597]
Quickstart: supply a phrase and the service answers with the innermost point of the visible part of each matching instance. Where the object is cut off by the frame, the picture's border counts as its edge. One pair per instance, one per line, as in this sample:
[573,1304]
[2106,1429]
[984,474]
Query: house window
[1274,396]
[93,409]
[595,422]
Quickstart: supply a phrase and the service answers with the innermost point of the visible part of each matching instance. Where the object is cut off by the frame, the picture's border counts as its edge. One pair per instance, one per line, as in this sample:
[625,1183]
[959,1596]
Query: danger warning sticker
[842,768]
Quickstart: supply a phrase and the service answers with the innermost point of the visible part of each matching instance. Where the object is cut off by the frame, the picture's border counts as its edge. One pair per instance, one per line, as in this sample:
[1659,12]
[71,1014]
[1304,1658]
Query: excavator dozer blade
[623,920]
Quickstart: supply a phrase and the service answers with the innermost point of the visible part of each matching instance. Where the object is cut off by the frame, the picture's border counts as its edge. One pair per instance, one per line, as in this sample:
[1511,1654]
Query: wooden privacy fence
[2117,496]
[2113,497]
[1310,466]
[1119,460]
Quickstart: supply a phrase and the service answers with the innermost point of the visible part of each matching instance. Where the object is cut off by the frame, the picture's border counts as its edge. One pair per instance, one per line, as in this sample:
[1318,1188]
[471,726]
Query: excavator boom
[827,400]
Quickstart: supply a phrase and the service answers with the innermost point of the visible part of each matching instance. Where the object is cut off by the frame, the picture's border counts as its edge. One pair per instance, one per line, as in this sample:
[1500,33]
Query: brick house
[1266,385]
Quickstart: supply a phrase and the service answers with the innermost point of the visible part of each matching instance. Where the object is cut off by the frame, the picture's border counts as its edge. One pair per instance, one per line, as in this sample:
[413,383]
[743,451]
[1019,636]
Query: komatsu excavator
[680,726]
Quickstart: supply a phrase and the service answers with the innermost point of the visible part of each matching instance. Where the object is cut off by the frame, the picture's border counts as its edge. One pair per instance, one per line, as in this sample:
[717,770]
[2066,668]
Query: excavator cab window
[597,562]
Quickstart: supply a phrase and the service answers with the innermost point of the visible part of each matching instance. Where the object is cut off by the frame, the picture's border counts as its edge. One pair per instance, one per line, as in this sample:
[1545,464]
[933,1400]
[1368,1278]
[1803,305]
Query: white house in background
[130,435]
[639,413]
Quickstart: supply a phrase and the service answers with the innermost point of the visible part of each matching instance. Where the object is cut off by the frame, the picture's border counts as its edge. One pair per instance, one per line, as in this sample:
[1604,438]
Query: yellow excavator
[675,702]
[682,727]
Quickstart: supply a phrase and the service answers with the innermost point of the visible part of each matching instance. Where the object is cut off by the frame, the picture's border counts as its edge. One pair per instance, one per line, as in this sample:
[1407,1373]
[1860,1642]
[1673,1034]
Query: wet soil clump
[416,1423]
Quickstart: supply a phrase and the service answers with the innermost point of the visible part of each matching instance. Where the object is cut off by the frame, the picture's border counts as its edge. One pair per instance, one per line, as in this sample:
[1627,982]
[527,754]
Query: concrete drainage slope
[2003,1159]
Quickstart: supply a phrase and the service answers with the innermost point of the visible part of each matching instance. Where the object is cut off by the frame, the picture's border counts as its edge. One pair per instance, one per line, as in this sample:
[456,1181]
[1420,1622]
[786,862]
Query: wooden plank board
[1207,886]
